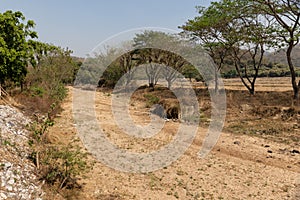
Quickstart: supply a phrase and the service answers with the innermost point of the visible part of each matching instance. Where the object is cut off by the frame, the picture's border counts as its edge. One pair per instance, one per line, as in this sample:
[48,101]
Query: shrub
[151,100]
[37,91]
[59,165]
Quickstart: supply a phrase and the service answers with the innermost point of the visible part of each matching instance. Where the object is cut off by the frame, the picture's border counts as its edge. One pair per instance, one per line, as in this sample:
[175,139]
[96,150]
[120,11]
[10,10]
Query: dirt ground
[256,157]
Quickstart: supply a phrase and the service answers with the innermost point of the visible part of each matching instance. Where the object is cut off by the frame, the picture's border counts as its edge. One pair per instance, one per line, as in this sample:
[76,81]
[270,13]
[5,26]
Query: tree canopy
[15,48]
[242,30]
[232,30]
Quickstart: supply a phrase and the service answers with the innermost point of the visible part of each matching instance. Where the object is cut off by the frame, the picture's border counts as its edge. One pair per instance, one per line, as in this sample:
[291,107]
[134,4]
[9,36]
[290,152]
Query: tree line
[232,32]
[156,51]
[36,68]
[242,30]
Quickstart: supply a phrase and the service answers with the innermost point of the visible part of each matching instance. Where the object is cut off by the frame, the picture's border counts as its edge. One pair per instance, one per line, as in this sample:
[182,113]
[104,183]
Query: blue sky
[81,25]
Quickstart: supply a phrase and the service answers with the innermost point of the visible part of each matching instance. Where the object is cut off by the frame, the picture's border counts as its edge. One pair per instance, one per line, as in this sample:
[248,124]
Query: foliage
[190,72]
[15,49]
[59,165]
[160,48]
[53,68]
[62,165]
[101,65]
[151,100]
[230,29]
[286,29]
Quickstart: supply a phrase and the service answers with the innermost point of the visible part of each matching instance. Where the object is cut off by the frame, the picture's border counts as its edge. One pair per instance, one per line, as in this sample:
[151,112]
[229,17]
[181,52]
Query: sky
[81,25]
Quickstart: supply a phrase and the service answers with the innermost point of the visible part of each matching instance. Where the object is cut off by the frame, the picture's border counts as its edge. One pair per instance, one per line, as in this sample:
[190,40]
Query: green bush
[151,100]
[58,165]
[37,91]
[61,165]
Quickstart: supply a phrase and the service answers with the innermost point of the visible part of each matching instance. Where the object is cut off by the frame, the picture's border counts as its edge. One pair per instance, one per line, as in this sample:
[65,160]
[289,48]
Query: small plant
[61,165]
[37,91]
[40,126]
[7,143]
[151,100]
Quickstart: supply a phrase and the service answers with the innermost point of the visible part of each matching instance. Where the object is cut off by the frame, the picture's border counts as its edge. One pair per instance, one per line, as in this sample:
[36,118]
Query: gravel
[18,179]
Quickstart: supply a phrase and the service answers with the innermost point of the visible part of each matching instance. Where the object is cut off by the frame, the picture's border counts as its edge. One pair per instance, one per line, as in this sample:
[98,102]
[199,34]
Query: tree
[15,48]
[151,58]
[206,29]
[174,63]
[189,71]
[156,47]
[53,68]
[232,29]
[287,29]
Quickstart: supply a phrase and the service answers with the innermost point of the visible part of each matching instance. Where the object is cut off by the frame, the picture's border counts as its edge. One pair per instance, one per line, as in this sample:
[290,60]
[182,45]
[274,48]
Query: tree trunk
[22,85]
[249,88]
[252,89]
[216,81]
[292,70]
[169,84]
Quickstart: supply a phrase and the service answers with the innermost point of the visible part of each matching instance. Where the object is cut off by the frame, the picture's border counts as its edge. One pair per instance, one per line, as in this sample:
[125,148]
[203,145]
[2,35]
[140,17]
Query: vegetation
[236,34]
[53,69]
[287,29]
[40,72]
[230,30]
[60,165]
[241,30]
[151,100]
[149,49]
[15,48]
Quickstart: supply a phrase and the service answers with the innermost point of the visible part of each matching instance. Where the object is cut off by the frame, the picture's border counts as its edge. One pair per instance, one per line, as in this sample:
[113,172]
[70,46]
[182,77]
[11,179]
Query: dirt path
[239,167]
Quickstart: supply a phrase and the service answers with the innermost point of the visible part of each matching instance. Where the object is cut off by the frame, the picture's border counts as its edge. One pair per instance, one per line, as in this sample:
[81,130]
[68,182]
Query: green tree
[287,29]
[189,71]
[158,47]
[15,48]
[206,28]
[232,29]
[53,68]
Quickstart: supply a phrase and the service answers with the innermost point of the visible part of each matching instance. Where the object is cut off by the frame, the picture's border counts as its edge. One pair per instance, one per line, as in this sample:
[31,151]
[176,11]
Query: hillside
[275,65]
[279,57]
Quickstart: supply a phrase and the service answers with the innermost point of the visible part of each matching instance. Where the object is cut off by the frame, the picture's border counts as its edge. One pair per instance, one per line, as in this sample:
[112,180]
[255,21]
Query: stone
[16,171]
[3,196]
[9,188]
[11,182]
[295,151]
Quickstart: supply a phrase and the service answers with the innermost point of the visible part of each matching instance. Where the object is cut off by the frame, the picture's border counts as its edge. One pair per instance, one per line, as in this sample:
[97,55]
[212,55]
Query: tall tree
[151,59]
[15,50]
[159,46]
[287,15]
[206,29]
[230,28]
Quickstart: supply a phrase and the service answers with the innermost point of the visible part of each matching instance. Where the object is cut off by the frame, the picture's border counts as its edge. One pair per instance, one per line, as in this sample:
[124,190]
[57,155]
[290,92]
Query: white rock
[3,196]
[11,181]
[7,165]
[9,188]
[11,195]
